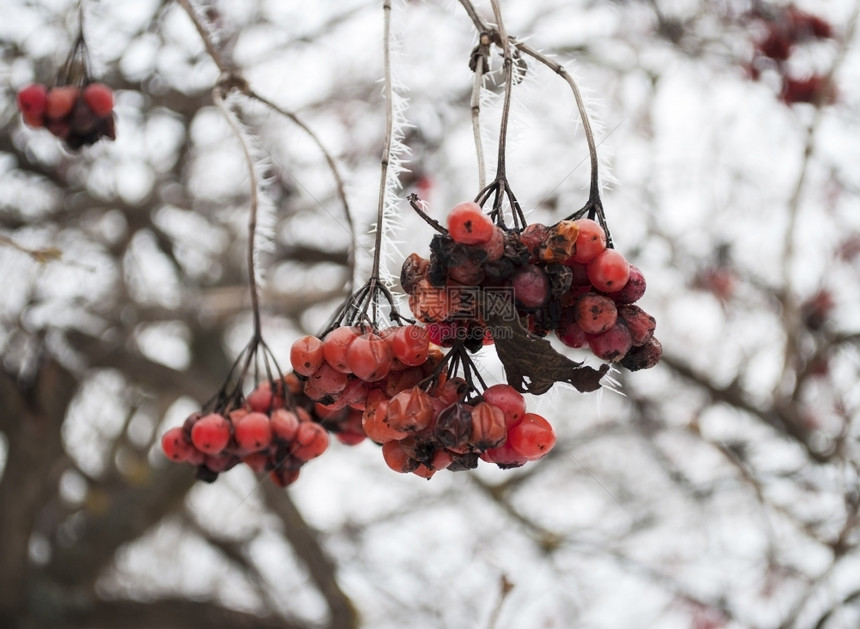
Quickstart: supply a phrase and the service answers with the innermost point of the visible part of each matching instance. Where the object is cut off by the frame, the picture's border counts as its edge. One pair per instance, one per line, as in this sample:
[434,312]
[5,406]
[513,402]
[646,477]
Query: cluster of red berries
[269,432]
[783,28]
[561,278]
[426,431]
[80,116]
[392,387]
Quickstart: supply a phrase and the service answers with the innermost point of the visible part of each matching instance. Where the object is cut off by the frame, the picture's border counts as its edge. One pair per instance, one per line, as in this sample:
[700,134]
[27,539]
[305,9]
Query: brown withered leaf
[531,364]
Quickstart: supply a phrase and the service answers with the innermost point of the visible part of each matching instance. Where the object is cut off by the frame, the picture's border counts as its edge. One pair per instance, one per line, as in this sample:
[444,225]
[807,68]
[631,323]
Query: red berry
[409,411]
[310,442]
[495,246]
[568,331]
[284,424]
[335,346]
[488,426]
[613,344]
[59,102]
[369,357]
[639,322]
[590,242]
[533,437]
[467,224]
[504,456]
[595,313]
[508,400]
[257,461]
[283,476]
[306,355]
[32,99]
[533,237]
[531,286]
[609,271]
[326,381]
[253,432]
[175,446]
[410,344]
[99,98]
[632,290]
[210,434]
[397,458]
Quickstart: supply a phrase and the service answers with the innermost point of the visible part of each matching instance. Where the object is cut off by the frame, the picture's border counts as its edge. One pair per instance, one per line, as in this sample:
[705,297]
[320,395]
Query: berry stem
[206,35]
[332,165]
[480,55]
[418,205]
[386,150]
[218,97]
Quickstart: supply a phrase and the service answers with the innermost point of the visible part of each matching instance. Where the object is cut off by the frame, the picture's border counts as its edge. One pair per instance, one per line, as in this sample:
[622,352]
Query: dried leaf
[531,364]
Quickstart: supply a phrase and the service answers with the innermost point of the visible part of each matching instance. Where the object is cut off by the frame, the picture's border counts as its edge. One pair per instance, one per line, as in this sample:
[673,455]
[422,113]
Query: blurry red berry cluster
[783,29]
[273,430]
[80,116]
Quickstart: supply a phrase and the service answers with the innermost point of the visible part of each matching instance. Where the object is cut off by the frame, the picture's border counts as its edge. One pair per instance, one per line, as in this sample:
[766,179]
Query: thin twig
[332,165]
[254,204]
[206,35]
[389,127]
[480,57]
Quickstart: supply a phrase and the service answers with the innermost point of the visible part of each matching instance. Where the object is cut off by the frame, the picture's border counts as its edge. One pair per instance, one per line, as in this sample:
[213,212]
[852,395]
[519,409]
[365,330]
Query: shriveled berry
[560,242]
[488,426]
[595,313]
[467,272]
[410,411]
[639,322]
[532,237]
[609,271]
[414,270]
[429,303]
[453,426]
[467,224]
[643,357]
[374,424]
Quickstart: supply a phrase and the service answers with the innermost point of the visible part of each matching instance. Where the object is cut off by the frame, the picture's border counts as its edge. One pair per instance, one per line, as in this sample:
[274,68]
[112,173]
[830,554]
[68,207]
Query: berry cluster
[268,431]
[78,116]
[560,278]
[783,29]
[422,432]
